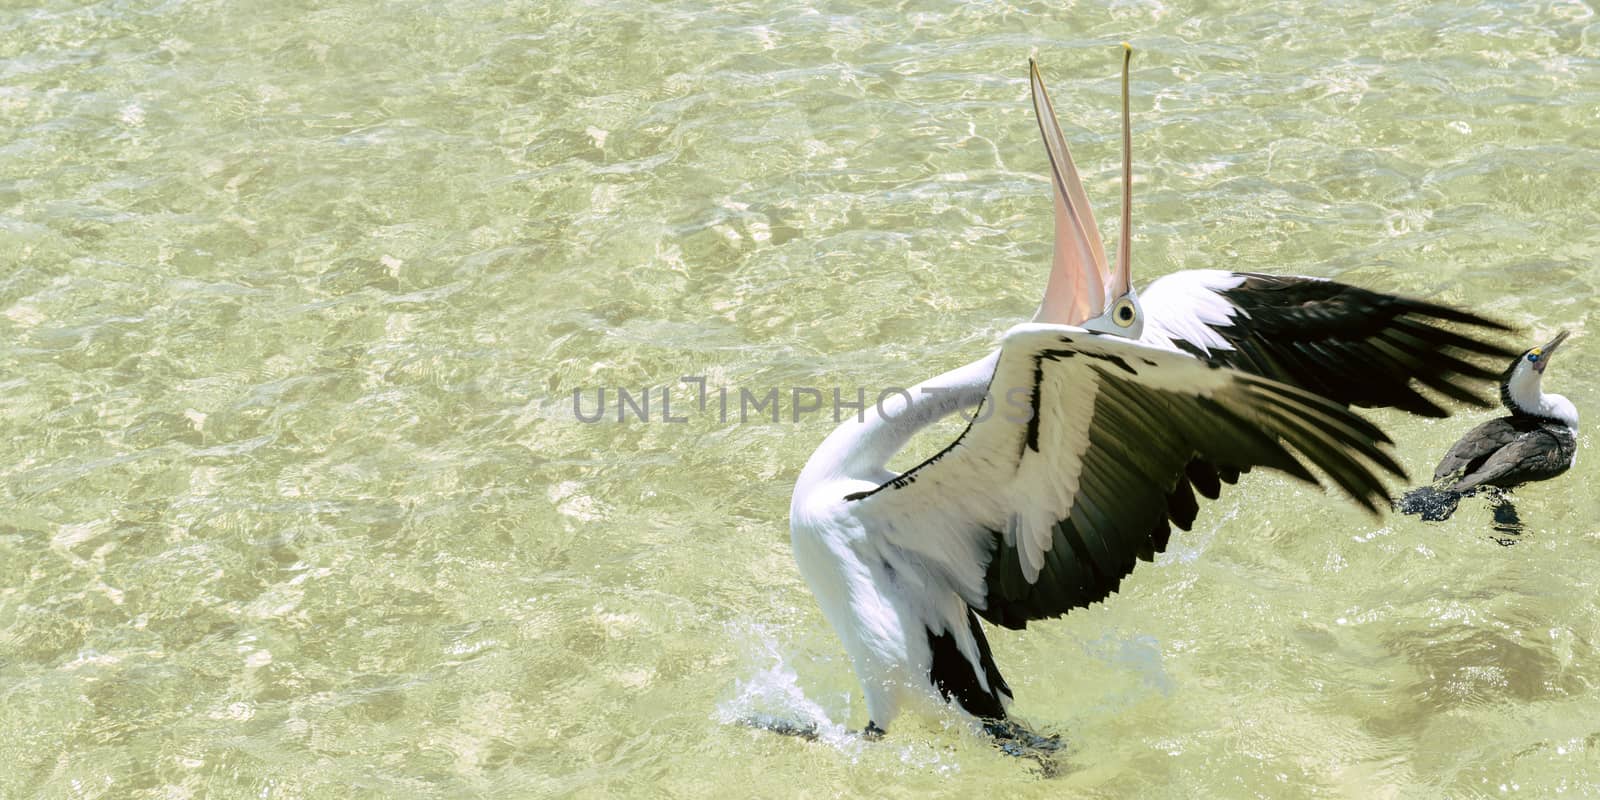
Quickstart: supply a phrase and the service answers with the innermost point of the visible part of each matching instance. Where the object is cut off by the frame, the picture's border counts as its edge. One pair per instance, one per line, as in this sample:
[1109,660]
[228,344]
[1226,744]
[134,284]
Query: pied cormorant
[1538,441]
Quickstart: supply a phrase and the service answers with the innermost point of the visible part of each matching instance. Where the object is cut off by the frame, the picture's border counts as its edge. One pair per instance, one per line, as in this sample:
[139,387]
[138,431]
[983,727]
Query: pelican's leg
[807,731]
[779,725]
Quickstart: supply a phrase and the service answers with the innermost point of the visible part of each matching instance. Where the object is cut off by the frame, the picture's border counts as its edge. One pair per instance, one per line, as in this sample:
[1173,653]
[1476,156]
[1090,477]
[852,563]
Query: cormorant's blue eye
[1533,356]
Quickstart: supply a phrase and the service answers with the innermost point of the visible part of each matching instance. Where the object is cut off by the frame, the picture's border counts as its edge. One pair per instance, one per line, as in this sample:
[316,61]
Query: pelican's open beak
[1081,286]
[1549,349]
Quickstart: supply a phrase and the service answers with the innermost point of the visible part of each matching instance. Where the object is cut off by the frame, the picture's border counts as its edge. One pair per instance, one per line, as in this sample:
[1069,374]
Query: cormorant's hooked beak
[1081,286]
[1547,350]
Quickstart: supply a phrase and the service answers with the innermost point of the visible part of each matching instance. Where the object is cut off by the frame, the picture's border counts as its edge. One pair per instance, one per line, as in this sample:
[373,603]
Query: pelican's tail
[956,677]
[1432,503]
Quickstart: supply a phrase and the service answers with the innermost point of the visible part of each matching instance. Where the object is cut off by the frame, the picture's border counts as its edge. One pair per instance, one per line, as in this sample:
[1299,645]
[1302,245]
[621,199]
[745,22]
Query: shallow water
[294,298]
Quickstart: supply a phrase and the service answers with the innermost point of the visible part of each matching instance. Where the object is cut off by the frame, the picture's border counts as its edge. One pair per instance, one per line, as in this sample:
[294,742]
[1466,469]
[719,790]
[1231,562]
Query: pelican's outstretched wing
[1348,344]
[1028,515]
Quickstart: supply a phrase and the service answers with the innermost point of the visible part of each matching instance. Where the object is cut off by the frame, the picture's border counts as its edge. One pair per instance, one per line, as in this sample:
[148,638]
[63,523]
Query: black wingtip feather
[1452,314]
[1356,346]
[1202,475]
[1299,402]
[1181,505]
[1444,337]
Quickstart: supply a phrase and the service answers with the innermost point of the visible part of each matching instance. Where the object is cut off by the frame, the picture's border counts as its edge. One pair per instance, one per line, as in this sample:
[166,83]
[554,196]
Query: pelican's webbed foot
[1015,740]
[1010,734]
[779,725]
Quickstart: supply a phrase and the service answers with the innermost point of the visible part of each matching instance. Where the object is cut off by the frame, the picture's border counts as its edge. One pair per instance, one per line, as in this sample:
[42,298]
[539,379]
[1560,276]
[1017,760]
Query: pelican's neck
[1523,395]
[861,447]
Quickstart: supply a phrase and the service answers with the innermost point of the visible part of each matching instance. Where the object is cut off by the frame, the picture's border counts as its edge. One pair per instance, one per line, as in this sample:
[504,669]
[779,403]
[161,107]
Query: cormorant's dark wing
[1474,448]
[1530,455]
[1081,458]
[1348,344]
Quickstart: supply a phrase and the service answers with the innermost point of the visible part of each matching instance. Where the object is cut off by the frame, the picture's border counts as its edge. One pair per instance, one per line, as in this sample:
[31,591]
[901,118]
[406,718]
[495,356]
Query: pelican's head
[1083,290]
[1520,388]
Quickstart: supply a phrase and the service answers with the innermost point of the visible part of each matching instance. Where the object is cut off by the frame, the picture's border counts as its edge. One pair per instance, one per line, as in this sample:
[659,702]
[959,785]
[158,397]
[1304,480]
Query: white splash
[774,691]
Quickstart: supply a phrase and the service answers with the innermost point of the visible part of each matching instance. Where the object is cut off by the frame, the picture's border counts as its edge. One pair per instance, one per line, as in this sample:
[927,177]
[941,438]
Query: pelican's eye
[1123,314]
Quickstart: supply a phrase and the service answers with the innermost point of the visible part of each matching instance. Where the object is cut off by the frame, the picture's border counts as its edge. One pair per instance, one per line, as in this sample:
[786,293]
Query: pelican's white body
[882,614]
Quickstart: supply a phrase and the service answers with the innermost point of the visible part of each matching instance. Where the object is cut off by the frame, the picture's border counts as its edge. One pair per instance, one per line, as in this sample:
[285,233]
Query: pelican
[1090,431]
[1538,441]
